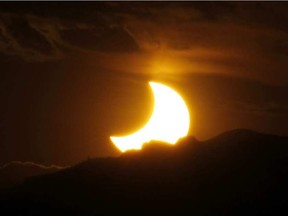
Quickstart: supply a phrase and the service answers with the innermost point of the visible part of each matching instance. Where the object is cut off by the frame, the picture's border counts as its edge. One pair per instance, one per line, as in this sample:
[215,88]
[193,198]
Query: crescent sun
[169,121]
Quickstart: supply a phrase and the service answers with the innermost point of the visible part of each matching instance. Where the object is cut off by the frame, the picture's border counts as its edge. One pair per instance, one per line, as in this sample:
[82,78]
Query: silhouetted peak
[196,177]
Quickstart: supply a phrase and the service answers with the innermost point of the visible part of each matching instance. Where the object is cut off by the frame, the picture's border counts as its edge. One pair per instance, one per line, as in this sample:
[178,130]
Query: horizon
[145,145]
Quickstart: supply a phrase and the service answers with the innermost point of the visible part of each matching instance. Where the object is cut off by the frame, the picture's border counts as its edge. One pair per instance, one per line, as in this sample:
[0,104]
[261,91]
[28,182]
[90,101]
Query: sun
[169,121]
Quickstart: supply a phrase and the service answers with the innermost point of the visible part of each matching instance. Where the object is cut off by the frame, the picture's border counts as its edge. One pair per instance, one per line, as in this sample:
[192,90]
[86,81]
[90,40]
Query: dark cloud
[27,36]
[239,94]
[247,39]
[20,37]
[32,35]
[100,39]
[261,109]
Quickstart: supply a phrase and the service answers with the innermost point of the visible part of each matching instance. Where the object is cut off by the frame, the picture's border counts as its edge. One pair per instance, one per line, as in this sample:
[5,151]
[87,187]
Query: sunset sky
[73,74]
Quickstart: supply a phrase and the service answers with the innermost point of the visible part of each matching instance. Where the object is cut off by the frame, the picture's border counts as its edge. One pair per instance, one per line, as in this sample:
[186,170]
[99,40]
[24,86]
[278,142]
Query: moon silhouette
[169,121]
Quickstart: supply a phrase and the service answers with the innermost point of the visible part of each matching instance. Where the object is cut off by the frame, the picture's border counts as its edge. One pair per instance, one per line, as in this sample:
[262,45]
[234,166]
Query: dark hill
[239,172]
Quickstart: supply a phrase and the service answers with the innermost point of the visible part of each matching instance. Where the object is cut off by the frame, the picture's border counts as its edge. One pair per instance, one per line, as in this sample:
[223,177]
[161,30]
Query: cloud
[261,109]
[33,37]
[30,164]
[247,39]
[243,48]
[21,37]
[15,172]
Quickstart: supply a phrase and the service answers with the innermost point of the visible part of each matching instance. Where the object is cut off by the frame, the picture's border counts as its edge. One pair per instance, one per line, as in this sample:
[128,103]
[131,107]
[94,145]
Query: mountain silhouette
[239,172]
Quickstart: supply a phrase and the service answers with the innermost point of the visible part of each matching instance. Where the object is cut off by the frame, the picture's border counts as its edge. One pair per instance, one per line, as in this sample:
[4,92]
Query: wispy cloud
[30,164]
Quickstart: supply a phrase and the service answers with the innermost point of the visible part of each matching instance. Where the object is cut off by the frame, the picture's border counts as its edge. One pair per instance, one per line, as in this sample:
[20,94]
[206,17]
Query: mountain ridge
[238,172]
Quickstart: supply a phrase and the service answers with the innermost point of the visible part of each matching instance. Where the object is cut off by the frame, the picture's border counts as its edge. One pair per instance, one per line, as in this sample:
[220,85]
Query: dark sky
[73,73]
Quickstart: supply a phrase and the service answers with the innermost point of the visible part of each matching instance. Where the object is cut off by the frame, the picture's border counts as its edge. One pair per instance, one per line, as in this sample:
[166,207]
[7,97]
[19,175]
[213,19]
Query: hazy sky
[73,73]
